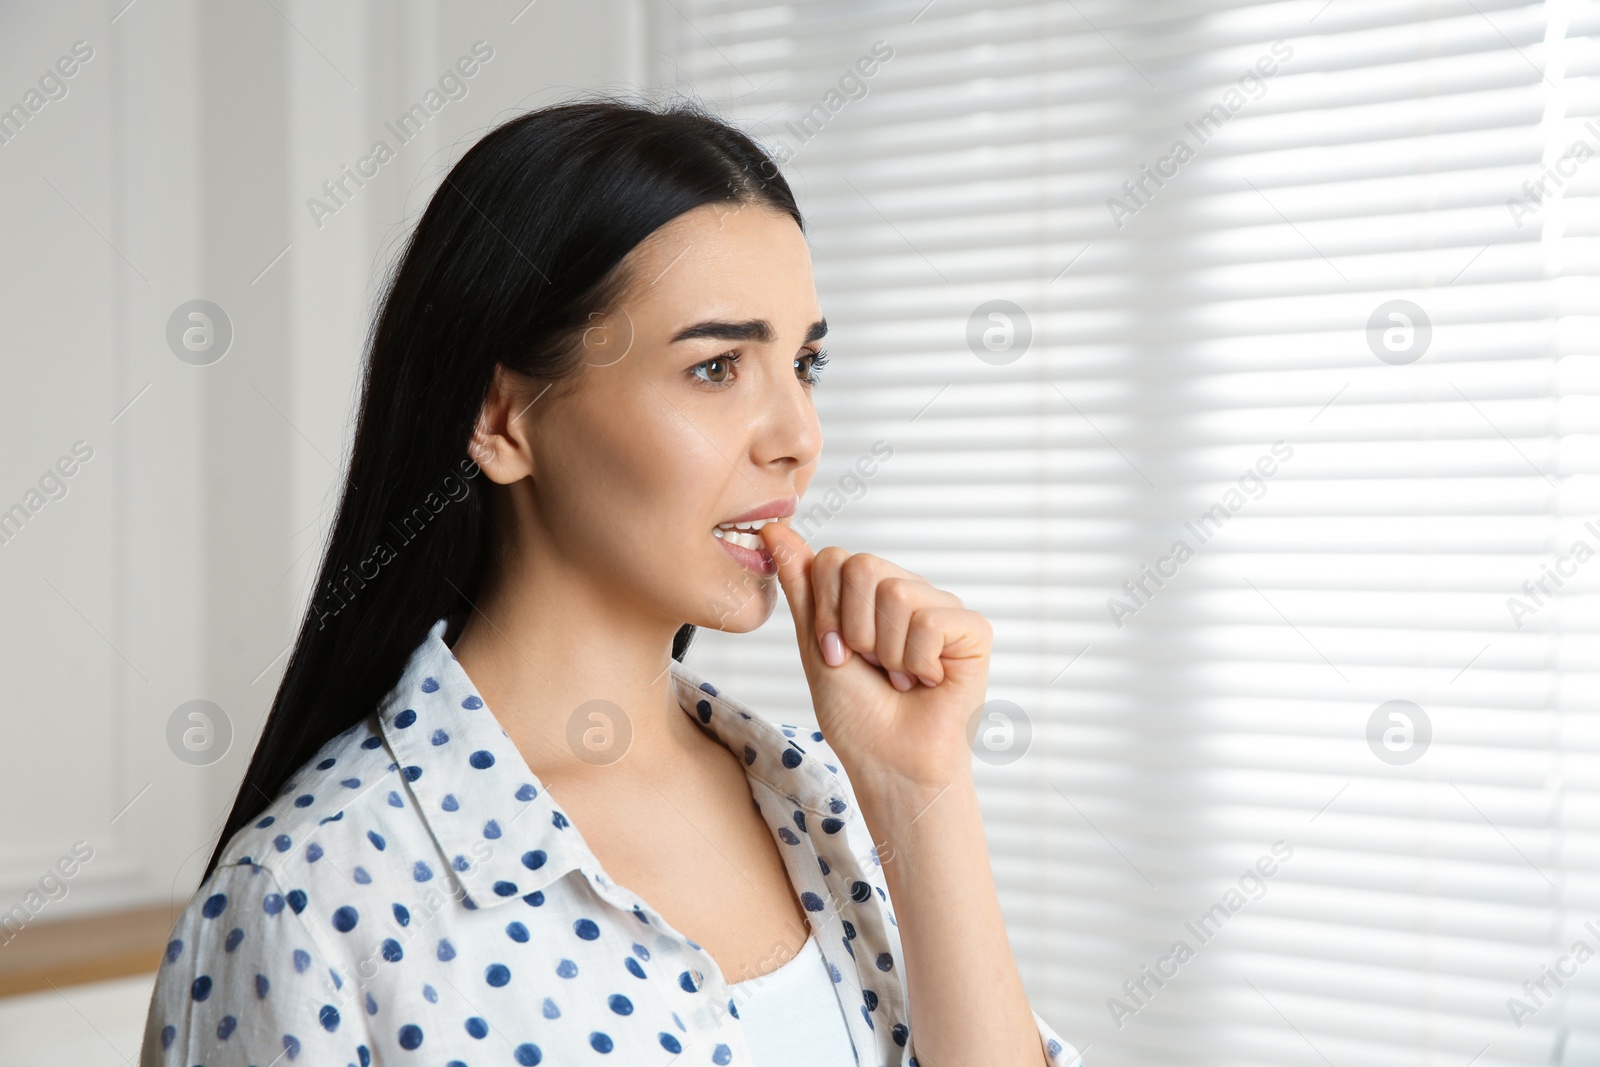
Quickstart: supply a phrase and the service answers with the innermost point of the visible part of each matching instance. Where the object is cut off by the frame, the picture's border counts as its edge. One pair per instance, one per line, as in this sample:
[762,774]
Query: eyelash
[819,360]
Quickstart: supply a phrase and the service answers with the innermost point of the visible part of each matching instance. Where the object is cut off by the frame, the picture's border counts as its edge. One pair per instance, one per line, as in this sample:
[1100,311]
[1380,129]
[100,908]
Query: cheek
[640,476]
[675,461]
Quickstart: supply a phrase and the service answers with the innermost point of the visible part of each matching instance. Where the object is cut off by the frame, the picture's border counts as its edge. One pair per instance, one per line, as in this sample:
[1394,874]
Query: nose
[788,434]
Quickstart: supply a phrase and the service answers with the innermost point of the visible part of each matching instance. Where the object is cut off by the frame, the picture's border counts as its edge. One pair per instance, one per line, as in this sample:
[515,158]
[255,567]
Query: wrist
[897,803]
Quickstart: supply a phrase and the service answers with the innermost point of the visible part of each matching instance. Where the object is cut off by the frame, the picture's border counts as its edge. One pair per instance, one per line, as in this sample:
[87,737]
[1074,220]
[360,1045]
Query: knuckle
[861,565]
[898,592]
[831,556]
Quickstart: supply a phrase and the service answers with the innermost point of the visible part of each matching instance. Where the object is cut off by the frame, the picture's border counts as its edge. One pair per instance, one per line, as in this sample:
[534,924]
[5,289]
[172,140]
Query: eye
[727,360]
[819,359]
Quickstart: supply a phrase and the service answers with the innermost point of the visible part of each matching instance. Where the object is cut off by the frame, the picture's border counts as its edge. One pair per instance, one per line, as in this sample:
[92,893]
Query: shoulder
[337,811]
[260,938]
[242,967]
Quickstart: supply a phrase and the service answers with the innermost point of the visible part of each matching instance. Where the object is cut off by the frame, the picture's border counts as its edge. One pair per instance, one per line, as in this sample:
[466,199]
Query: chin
[738,607]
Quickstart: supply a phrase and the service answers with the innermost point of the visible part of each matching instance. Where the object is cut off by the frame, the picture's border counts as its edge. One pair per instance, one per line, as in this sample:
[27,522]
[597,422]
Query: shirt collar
[499,830]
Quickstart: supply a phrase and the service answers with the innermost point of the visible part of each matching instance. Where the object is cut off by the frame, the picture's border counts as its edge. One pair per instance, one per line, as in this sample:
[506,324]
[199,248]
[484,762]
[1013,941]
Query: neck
[579,679]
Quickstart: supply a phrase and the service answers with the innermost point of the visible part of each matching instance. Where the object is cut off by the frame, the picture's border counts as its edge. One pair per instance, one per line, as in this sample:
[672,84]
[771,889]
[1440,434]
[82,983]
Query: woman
[552,841]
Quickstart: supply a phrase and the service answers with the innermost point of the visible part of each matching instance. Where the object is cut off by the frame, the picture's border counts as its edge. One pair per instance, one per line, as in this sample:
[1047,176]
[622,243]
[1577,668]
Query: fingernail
[832,648]
[927,682]
[902,681]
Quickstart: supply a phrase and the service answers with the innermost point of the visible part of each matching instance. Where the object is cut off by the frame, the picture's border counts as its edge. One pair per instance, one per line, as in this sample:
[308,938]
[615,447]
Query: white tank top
[792,1016]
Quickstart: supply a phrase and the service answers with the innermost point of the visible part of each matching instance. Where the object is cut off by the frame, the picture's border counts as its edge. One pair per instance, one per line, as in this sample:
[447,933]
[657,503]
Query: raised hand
[898,668]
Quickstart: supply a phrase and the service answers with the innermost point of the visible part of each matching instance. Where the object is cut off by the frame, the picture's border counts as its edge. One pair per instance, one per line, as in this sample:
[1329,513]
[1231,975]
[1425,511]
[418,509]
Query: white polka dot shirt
[416,897]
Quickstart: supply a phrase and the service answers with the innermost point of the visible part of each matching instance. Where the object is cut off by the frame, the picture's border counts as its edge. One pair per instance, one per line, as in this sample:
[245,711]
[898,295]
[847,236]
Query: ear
[502,444]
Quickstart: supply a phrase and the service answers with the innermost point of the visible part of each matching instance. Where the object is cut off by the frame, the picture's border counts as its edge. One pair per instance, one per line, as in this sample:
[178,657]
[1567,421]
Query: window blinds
[1239,362]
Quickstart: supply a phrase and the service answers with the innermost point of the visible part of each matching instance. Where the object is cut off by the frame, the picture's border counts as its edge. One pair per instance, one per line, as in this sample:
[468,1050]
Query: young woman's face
[695,409]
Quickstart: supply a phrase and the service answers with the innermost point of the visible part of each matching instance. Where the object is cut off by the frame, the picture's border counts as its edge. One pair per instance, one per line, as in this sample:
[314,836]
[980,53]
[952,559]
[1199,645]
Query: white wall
[178,166]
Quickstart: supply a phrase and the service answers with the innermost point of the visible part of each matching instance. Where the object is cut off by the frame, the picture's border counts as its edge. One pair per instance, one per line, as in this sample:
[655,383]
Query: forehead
[725,260]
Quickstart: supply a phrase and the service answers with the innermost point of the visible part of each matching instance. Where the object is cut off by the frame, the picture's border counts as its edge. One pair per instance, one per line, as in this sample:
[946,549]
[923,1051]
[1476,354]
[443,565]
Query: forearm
[967,1003]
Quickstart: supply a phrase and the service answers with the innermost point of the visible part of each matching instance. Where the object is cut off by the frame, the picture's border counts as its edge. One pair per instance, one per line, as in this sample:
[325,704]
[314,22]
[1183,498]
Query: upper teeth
[756,525]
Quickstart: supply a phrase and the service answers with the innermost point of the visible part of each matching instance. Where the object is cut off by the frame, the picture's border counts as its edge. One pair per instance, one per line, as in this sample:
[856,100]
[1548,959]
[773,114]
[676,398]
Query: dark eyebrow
[759,330]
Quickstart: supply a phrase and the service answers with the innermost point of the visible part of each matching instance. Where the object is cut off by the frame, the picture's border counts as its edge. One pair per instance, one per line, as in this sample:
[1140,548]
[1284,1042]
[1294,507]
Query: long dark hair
[518,248]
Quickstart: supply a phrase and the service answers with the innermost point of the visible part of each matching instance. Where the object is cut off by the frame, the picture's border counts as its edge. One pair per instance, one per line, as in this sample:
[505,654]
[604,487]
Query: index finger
[793,558]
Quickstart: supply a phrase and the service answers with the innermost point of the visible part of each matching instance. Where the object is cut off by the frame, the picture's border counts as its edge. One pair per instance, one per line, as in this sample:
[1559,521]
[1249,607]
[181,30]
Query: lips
[757,559]
[773,509]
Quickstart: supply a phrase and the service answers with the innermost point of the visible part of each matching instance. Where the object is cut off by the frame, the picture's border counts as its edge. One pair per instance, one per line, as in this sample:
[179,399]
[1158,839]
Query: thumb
[793,558]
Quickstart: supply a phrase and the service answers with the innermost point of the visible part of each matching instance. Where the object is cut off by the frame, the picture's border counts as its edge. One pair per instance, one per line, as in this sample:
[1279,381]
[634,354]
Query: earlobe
[497,456]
